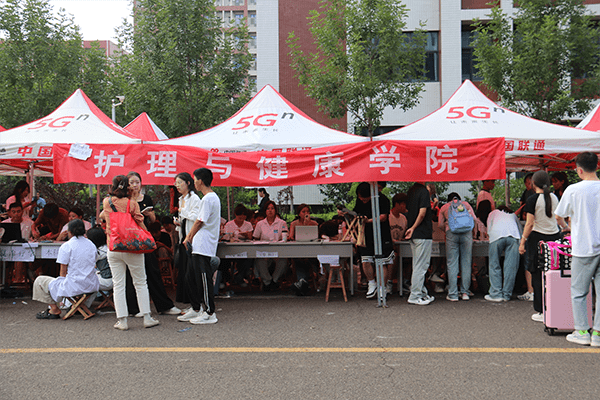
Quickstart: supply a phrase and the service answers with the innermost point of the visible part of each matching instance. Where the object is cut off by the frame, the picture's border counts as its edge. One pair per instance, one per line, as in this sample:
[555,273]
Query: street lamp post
[115,105]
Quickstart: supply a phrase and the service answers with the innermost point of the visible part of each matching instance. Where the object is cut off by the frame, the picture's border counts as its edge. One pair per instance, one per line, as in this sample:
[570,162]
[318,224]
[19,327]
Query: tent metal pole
[375,211]
[98,204]
[507,190]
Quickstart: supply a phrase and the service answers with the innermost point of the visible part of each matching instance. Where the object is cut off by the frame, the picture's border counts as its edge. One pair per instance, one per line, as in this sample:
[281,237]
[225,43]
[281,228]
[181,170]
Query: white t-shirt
[232,228]
[397,226]
[501,224]
[79,253]
[189,206]
[581,203]
[270,232]
[206,240]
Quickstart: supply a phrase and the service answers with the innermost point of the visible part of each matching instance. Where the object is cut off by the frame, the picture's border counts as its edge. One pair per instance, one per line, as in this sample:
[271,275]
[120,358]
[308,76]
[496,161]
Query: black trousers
[156,287]
[200,283]
[536,272]
[182,260]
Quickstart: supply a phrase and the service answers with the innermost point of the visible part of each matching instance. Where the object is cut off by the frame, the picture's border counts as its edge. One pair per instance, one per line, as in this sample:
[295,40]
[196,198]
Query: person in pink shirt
[269,230]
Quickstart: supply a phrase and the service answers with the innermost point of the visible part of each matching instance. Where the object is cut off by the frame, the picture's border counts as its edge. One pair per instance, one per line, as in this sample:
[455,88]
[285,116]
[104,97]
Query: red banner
[408,161]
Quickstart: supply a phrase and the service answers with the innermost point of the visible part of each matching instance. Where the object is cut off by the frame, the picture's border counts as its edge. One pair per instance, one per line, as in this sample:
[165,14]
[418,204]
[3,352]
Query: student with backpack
[457,218]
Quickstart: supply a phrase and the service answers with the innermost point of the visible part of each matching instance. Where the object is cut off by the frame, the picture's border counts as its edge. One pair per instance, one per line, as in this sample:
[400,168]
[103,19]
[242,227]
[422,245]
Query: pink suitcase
[558,310]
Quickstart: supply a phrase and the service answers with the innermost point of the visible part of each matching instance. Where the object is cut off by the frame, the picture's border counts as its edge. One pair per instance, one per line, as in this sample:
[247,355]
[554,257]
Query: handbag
[126,235]
[555,255]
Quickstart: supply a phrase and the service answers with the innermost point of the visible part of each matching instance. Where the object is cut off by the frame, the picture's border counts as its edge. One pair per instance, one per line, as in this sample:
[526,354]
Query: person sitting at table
[75,213]
[15,215]
[504,231]
[162,240]
[77,259]
[459,248]
[49,223]
[269,230]
[168,227]
[236,230]
[304,266]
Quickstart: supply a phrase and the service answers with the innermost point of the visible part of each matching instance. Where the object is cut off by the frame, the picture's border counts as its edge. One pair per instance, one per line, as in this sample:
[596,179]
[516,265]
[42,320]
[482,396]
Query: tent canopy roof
[530,143]
[142,127]
[267,122]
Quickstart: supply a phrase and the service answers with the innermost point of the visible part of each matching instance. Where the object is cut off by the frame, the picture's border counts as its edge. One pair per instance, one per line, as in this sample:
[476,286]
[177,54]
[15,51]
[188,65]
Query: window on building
[238,2]
[252,19]
[238,18]
[432,57]
[469,65]
[251,2]
[252,43]
[253,63]
[252,83]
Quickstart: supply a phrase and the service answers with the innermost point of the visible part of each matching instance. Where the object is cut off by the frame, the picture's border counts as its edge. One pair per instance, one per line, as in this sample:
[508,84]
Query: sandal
[47,315]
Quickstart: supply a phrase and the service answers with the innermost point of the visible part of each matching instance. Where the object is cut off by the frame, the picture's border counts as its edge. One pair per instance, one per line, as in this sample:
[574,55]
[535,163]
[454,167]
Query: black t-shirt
[146,202]
[365,209]
[418,197]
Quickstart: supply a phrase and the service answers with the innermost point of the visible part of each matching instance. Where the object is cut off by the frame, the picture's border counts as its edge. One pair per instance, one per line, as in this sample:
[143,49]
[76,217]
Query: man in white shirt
[203,240]
[579,202]
[504,231]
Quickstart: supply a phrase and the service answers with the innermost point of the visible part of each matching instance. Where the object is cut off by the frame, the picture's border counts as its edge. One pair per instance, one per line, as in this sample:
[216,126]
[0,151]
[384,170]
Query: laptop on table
[307,233]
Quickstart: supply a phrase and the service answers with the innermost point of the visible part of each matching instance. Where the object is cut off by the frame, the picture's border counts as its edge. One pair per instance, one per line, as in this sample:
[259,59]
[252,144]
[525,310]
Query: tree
[364,61]
[42,60]
[183,68]
[543,62]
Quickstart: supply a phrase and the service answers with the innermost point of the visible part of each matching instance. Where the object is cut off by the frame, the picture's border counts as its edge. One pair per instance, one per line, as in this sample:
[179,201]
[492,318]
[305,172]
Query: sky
[97,19]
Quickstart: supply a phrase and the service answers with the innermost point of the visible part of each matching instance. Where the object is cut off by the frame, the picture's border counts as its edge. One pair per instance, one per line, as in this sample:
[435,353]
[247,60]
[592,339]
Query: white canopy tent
[530,144]
[267,122]
[592,121]
[76,120]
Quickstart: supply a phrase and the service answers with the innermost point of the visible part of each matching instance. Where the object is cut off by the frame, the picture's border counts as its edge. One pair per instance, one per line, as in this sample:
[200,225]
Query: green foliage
[537,67]
[363,61]
[42,61]
[183,68]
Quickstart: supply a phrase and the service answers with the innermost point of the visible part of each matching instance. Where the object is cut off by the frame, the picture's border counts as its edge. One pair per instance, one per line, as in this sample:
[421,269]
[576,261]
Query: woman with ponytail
[540,226]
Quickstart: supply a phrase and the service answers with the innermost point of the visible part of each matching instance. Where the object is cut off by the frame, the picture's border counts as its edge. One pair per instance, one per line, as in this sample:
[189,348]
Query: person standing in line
[459,249]
[560,182]
[580,203]
[504,231]
[528,295]
[540,225]
[156,286]
[203,240]
[484,193]
[121,261]
[188,207]
[262,206]
[420,235]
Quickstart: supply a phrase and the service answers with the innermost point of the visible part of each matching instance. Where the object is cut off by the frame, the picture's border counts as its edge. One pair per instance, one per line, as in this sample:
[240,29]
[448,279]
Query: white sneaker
[430,298]
[189,315]
[139,315]
[493,299]
[204,319]
[579,337]
[149,322]
[436,278]
[419,302]
[372,290]
[538,317]
[121,324]
[465,297]
[527,296]
[172,311]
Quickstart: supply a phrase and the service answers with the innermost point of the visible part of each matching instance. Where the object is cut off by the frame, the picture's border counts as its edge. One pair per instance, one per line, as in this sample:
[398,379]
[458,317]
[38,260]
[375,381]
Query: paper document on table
[329,259]
[17,253]
[243,254]
[50,252]
[267,254]
[435,249]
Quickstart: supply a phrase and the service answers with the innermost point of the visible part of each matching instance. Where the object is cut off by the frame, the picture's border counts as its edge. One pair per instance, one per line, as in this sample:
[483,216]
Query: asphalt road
[283,347]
